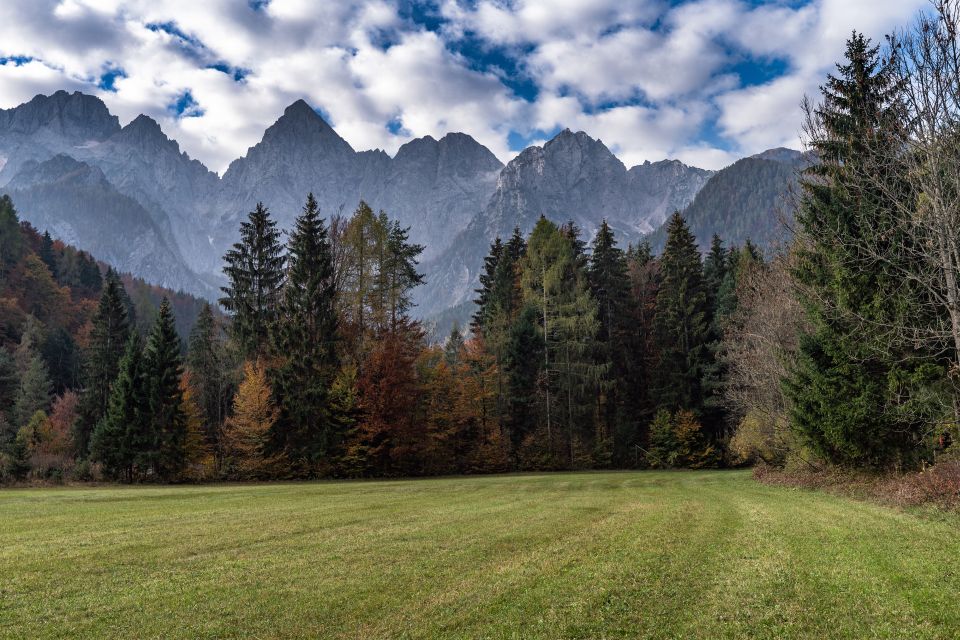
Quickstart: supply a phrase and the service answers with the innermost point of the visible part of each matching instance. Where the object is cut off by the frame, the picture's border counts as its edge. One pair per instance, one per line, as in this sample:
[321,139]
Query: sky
[702,81]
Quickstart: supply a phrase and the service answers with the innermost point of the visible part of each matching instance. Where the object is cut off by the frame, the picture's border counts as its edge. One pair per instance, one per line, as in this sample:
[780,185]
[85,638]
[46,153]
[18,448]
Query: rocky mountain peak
[75,116]
[144,132]
[301,126]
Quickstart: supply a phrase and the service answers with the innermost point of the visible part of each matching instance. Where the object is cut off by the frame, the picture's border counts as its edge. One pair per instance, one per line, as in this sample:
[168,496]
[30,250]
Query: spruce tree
[453,348]
[12,244]
[523,359]
[121,433]
[206,359]
[9,384]
[846,395]
[400,271]
[161,445]
[305,347]
[681,322]
[554,281]
[254,270]
[609,286]
[46,253]
[487,277]
[715,267]
[35,391]
[608,283]
[111,331]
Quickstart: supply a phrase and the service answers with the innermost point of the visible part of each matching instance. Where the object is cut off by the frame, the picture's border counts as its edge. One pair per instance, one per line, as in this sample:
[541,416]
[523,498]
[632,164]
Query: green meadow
[572,555]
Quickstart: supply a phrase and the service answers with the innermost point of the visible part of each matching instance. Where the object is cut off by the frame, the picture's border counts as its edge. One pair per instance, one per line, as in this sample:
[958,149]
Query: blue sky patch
[16,60]
[185,106]
[109,77]
[238,74]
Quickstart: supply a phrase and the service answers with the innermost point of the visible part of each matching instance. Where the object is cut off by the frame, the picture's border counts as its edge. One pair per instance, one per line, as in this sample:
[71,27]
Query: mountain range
[130,196]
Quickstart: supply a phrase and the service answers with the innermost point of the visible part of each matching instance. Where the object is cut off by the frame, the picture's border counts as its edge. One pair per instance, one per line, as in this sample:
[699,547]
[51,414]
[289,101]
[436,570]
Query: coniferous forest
[839,348]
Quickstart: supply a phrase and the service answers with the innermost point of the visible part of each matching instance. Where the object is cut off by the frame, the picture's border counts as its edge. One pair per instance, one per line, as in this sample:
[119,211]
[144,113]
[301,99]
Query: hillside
[50,290]
[750,199]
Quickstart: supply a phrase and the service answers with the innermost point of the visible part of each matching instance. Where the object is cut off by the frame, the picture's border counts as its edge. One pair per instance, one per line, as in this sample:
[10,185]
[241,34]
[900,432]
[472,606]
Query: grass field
[587,555]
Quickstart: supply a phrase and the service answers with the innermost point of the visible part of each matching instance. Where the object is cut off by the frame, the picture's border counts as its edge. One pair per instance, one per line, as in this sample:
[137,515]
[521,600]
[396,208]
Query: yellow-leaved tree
[245,432]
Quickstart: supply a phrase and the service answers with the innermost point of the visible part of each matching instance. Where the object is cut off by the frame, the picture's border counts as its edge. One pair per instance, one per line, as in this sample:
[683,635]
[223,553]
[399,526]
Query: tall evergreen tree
[206,359]
[12,245]
[254,269]
[46,253]
[111,330]
[555,283]
[400,273]
[681,322]
[847,397]
[523,359]
[304,346]
[453,348]
[35,391]
[120,433]
[609,285]
[715,268]
[162,446]
[487,277]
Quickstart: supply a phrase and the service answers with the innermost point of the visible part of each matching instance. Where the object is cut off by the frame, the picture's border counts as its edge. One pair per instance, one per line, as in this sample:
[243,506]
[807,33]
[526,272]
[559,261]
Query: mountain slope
[109,225]
[750,199]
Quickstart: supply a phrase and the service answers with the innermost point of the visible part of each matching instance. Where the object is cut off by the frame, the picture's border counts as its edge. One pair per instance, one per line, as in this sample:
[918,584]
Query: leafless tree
[760,344]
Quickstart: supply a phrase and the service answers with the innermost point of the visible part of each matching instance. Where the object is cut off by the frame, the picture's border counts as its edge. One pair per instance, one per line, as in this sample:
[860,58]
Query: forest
[840,348]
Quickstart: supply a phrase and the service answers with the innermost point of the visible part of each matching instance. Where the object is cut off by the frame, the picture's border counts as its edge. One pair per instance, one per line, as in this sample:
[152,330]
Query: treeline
[50,324]
[577,357]
[858,366]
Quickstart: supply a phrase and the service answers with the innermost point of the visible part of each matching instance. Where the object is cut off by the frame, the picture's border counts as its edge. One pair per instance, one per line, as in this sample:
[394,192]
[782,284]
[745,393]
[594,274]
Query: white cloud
[652,78]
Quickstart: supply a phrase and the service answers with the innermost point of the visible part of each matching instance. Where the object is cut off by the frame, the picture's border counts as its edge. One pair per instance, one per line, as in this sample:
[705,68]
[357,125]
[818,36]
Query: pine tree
[35,390]
[119,435]
[487,277]
[162,447]
[681,323]
[254,269]
[108,340]
[305,347]
[847,398]
[46,253]
[206,360]
[453,348]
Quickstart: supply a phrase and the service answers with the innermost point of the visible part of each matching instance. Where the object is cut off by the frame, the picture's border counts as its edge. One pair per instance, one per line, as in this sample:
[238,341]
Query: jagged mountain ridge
[570,178]
[453,192]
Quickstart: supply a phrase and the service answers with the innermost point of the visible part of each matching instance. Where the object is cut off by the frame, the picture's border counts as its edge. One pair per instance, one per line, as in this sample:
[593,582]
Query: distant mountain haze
[131,197]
